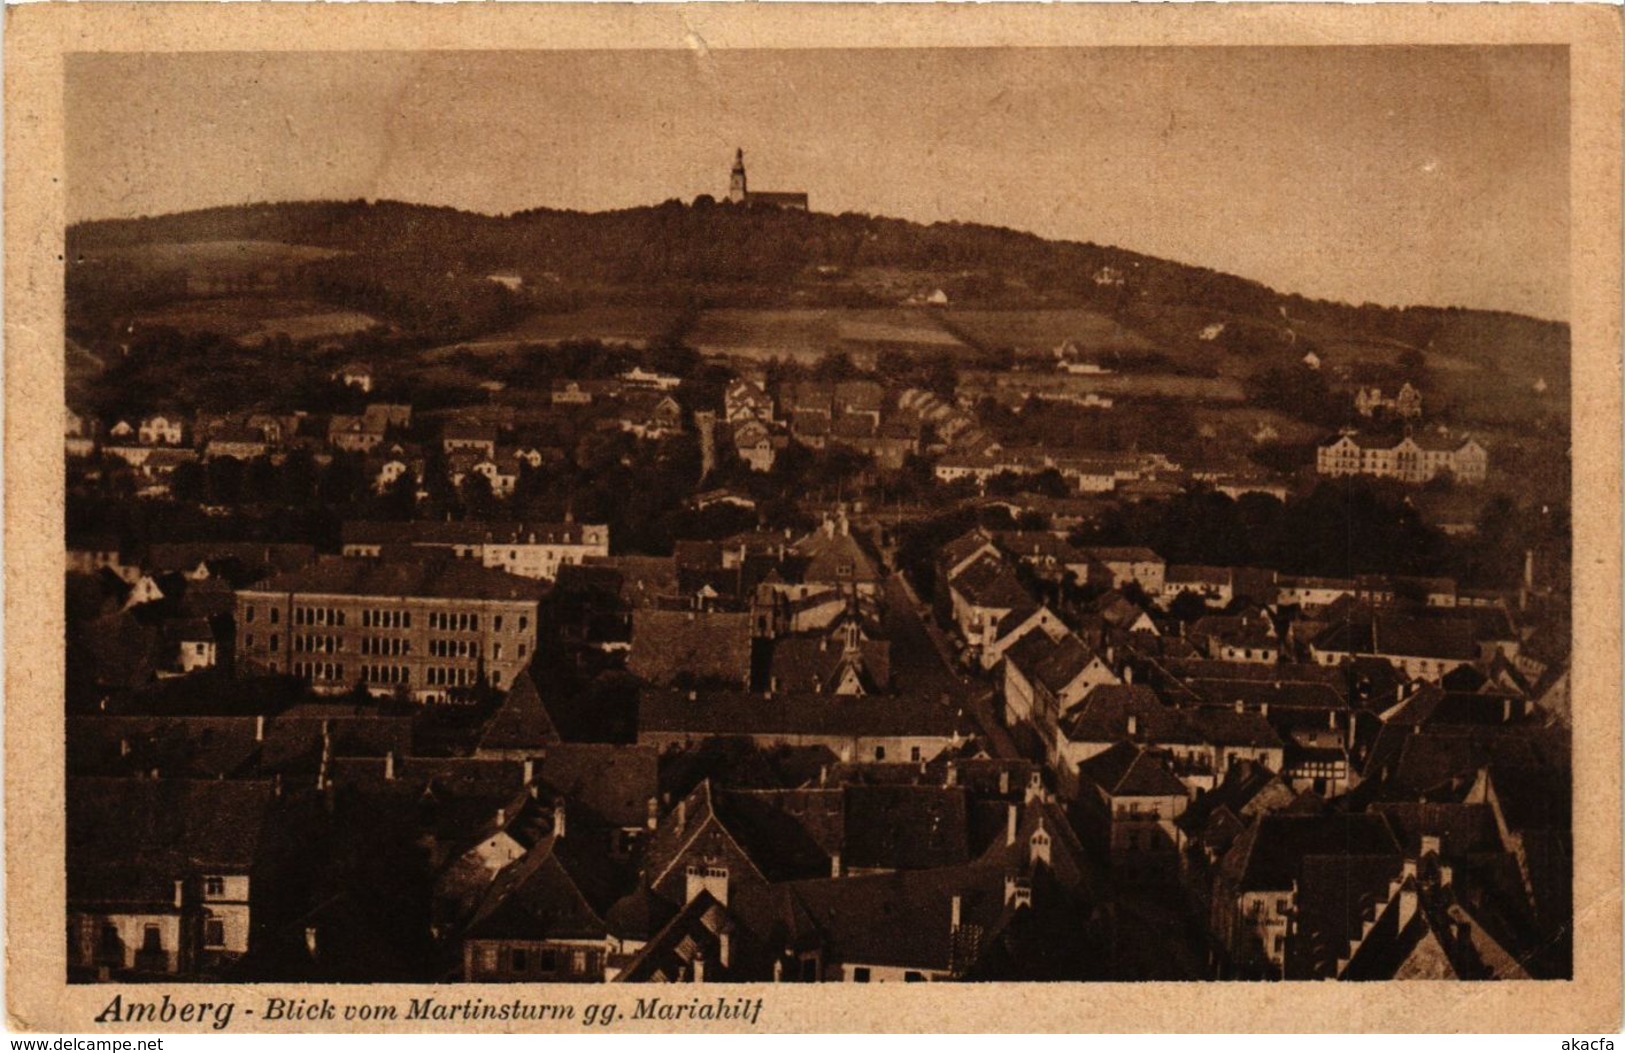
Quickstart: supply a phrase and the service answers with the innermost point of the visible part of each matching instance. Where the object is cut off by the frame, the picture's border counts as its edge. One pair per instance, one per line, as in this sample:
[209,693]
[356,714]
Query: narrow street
[923,661]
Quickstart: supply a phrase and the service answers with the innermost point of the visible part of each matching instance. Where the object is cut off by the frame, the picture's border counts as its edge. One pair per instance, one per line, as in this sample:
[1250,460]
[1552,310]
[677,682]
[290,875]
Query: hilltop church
[740,195]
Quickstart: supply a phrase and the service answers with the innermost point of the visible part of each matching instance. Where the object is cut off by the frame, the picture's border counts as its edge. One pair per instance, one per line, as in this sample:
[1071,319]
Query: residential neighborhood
[933,607]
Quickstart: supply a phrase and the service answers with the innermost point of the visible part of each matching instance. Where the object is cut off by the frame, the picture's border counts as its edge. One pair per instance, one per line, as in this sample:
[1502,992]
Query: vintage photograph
[549,506]
[818,516]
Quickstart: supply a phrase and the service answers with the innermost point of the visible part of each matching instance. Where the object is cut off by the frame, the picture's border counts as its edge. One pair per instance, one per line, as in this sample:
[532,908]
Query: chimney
[778,970]
[772,686]
[951,778]
[502,817]
[1506,709]
[653,821]
[1010,824]
[1128,674]
[823,775]
[530,770]
[835,864]
[389,766]
[1133,725]
[259,728]
[682,815]
[1331,719]
[180,894]
[1241,707]
[953,914]
[1004,781]
[558,820]
[823,643]
[699,968]
[310,940]
[123,747]
[1263,709]
[724,948]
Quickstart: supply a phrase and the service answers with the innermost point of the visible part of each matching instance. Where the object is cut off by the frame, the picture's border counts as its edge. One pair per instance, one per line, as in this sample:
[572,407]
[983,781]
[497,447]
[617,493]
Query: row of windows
[386,674]
[458,649]
[543,960]
[381,619]
[317,644]
[454,621]
[331,671]
[248,614]
[274,644]
[318,616]
[439,676]
[385,645]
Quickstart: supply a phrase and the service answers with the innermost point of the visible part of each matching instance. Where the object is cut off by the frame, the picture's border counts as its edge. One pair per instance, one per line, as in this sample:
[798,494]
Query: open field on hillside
[253,319]
[212,256]
[636,325]
[1041,330]
[806,334]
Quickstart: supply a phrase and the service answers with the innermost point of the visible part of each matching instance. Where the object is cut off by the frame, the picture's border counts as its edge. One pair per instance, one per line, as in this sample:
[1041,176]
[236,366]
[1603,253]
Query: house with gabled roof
[165,876]
[1259,882]
[1131,801]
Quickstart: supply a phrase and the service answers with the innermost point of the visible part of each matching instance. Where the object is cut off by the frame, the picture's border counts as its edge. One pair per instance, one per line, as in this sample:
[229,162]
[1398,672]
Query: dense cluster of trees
[1341,528]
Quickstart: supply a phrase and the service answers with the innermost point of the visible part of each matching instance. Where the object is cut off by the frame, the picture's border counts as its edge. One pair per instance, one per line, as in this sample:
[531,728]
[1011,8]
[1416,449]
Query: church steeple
[736,181]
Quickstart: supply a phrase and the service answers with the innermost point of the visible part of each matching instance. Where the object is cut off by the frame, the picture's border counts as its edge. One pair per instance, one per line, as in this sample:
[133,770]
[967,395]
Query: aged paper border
[38,37]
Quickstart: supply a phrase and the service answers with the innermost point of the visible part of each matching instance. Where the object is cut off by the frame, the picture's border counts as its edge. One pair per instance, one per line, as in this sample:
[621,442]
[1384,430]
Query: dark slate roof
[1123,554]
[536,898]
[802,663]
[1223,726]
[441,579]
[129,840]
[905,827]
[1462,829]
[903,919]
[1280,695]
[1401,635]
[693,933]
[1270,854]
[614,782]
[186,555]
[737,713]
[638,915]
[667,644]
[788,834]
[989,582]
[522,721]
[1130,770]
[437,533]
[1041,545]
[963,547]
[836,556]
[1102,715]
[1336,893]
[1065,662]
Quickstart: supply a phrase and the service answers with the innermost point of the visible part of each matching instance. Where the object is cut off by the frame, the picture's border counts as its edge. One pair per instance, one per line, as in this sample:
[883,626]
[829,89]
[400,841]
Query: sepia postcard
[586,518]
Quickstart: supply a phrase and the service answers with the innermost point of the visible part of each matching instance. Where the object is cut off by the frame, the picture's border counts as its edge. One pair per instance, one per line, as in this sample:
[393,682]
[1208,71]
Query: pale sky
[1400,175]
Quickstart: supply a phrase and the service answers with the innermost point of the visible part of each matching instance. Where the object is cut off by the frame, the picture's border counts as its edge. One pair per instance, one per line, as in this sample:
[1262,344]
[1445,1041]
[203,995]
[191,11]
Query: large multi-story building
[530,550]
[422,626]
[1412,459]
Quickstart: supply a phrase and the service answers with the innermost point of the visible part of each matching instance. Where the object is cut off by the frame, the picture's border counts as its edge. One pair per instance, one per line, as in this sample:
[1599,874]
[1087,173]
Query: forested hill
[726,253]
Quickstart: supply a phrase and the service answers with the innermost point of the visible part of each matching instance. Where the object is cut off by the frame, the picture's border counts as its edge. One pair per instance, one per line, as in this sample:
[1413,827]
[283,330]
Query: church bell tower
[736,181]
